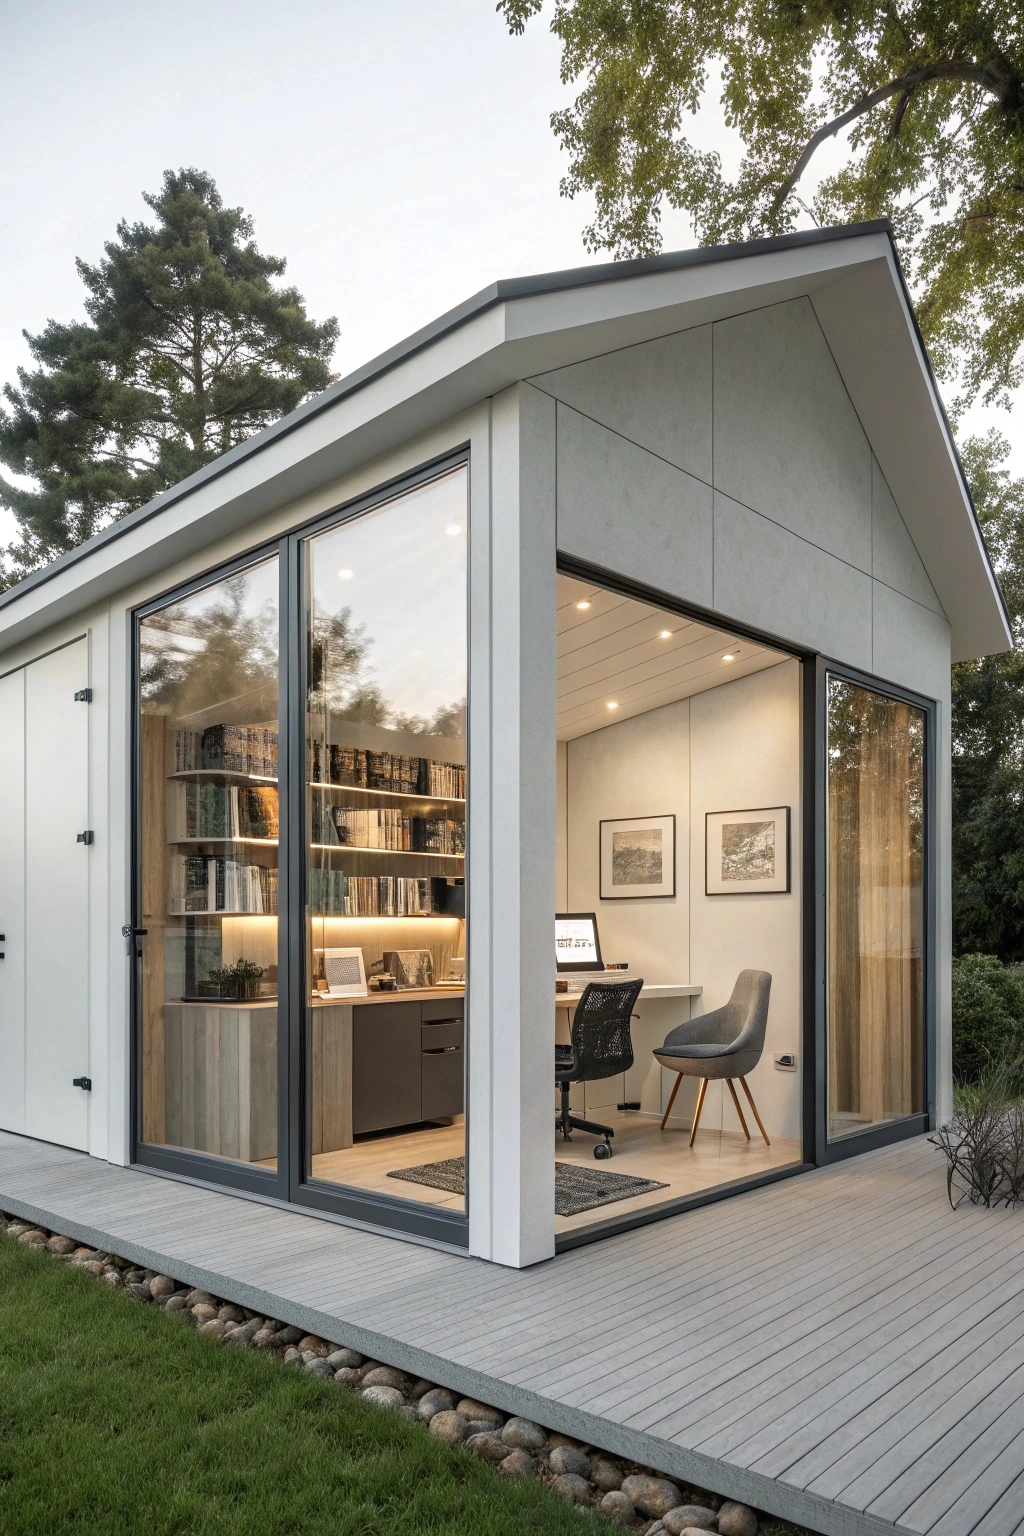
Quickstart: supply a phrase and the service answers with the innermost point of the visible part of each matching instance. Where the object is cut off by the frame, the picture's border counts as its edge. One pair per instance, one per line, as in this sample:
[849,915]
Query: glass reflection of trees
[341,685]
[213,649]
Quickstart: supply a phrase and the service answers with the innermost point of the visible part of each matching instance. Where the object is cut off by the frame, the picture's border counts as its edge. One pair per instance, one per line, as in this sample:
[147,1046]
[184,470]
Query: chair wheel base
[602,1150]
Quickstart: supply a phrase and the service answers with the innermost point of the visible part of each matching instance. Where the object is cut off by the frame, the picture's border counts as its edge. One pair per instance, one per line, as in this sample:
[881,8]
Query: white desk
[643,1082]
[649,990]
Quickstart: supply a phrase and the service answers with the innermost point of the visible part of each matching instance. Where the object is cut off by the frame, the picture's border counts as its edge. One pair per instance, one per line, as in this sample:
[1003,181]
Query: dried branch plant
[984,1141]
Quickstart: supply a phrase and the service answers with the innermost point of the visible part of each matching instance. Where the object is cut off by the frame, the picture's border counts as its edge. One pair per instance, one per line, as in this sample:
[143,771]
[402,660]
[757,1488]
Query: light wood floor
[641,1148]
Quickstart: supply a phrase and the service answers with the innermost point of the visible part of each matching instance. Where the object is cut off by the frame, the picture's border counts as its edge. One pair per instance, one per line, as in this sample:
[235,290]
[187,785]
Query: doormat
[576,1189]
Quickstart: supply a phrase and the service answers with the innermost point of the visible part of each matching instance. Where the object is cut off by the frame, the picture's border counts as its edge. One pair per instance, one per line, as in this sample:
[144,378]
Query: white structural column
[512,836]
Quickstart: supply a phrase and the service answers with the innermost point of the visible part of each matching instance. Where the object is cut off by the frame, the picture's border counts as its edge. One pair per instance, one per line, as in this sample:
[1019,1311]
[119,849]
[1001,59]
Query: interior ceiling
[618,657]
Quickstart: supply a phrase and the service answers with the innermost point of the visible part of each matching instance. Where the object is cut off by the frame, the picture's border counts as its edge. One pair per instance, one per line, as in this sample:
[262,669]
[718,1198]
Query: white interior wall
[735,747]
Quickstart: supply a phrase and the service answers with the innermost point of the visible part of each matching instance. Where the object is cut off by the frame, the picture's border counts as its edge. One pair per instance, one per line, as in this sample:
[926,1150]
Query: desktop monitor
[577,943]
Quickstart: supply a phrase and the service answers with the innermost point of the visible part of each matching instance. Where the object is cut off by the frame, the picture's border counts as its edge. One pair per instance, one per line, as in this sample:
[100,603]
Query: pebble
[289,1334]
[605,1475]
[490,1447]
[737,1519]
[230,1314]
[471,1409]
[135,1276]
[93,1267]
[347,1376]
[81,1254]
[33,1238]
[385,1397]
[175,1304]
[408,1411]
[387,1376]
[162,1285]
[203,1312]
[653,1496]
[689,1517]
[345,1357]
[437,1400]
[616,1505]
[61,1245]
[523,1435]
[318,1366]
[318,1346]
[113,1277]
[16,1228]
[369,1365]
[139,1289]
[244,1333]
[266,1338]
[420,1389]
[292,1356]
[197,1298]
[518,1464]
[213,1329]
[574,1489]
[449,1426]
[567,1460]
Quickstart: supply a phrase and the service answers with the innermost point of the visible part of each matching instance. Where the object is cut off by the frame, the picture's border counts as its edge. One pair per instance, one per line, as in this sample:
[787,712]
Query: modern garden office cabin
[629,591]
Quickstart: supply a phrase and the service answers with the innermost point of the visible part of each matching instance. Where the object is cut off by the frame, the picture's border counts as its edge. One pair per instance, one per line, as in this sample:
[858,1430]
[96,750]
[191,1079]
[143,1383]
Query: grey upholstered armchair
[725,1043]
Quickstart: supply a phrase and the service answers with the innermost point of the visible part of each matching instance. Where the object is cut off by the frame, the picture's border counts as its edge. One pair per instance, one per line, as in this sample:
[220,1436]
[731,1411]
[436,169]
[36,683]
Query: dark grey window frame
[817,1150]
[285,1184]
[824,1150]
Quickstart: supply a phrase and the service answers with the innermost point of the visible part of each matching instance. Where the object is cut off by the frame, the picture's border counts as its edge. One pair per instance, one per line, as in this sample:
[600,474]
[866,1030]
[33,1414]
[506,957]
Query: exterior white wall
[726,467]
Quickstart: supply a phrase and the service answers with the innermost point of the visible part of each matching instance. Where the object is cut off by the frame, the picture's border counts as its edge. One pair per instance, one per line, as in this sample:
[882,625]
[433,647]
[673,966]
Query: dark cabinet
[408,1063]
[385,1066]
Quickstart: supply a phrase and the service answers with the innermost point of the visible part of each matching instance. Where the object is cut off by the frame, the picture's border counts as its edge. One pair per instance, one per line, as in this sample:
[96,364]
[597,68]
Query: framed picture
[638,858]
[345,972]
[747,852]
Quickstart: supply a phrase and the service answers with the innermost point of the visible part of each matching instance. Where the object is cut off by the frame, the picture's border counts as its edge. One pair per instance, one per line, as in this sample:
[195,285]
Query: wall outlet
[785,1061]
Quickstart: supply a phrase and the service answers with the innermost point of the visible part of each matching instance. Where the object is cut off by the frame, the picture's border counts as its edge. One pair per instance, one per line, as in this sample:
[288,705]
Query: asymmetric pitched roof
[518,328]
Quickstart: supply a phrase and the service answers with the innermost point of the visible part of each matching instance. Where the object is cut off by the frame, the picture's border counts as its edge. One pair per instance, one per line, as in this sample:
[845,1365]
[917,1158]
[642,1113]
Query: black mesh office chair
[601,1047]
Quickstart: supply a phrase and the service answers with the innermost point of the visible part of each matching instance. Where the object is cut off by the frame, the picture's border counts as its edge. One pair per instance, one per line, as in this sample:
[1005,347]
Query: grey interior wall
[735,747]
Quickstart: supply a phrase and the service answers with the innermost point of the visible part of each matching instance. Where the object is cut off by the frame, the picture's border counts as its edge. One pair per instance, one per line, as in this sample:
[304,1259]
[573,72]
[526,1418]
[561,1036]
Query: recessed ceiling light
[585,604]
[729,656]
[612,704]
[345,573]
[666,634]
[454,528]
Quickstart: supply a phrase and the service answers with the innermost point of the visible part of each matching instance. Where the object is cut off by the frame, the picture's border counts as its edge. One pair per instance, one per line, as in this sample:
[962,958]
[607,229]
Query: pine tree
[188,348]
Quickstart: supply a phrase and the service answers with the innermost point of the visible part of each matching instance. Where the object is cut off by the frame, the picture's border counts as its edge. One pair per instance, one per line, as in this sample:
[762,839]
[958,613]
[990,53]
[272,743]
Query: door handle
[82,1082]
[85,837]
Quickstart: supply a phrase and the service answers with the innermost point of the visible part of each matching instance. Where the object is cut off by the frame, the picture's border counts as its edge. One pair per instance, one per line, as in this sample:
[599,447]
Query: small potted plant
[239,982]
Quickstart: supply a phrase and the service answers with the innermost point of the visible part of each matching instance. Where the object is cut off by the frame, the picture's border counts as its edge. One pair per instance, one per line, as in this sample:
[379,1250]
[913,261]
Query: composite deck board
[839,1348]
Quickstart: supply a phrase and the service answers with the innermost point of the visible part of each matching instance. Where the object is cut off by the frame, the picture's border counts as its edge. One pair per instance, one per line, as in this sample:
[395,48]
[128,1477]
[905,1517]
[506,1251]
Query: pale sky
[399,155]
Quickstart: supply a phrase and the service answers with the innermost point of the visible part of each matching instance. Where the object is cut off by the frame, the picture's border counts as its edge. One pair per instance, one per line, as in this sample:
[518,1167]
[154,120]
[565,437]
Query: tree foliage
[988,735]
[189,347]
[932,92]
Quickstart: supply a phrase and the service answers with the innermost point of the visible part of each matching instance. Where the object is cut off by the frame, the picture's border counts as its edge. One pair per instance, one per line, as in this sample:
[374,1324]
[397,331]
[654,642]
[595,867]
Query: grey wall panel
[911,644]
[894,556]
[768,577]
[625,509]
[657,394]
[787,439]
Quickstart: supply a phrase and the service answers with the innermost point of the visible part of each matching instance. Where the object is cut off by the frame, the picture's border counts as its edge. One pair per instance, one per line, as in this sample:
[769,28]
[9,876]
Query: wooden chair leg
[739,1111]
[700,1105]
[753,1106]
[671,1099]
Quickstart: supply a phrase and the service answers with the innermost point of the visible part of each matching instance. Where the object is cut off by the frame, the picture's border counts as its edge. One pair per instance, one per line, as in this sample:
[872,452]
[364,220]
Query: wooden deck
[841,1348]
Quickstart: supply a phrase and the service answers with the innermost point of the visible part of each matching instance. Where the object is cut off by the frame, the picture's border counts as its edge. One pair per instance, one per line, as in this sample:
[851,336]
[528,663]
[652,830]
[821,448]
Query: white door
[57,897]
[12,901]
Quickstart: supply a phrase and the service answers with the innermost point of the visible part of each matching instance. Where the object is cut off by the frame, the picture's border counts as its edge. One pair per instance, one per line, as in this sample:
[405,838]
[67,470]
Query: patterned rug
[576,1189]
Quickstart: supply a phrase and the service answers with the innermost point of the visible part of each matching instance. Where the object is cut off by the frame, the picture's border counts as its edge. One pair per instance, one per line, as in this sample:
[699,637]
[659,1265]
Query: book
[249,749]
[202,883]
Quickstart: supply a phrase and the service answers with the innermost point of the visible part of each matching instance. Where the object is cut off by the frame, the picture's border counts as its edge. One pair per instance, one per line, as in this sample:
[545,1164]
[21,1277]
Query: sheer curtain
[875,908]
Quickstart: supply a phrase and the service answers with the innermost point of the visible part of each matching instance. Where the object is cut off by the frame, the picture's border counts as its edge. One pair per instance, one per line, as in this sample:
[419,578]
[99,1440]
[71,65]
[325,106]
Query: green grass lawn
[117,1418]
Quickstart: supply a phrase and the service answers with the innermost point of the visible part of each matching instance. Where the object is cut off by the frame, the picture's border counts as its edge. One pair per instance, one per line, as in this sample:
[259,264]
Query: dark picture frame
[644,854]
[779,883]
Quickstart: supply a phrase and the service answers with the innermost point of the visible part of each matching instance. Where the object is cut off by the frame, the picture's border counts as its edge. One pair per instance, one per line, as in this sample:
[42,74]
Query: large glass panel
[208,737]
[875,909]
[386,831]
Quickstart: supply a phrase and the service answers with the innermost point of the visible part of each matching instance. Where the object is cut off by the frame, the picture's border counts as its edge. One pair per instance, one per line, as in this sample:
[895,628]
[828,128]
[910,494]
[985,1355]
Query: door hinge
[82,1082]
[86,837]
[83,696]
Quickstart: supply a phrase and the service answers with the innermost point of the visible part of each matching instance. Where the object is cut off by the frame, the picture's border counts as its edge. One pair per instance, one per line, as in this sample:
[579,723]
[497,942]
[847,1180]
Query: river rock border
[640,1498]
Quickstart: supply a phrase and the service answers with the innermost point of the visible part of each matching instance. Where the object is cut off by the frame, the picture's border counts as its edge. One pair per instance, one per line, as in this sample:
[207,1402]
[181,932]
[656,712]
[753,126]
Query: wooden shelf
[385,796]
[222,773]
[401,853]
[188,842]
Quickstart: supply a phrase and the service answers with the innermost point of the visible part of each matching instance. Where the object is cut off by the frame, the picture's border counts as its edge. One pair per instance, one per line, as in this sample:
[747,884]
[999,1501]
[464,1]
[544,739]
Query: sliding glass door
[207,902]
[876,925]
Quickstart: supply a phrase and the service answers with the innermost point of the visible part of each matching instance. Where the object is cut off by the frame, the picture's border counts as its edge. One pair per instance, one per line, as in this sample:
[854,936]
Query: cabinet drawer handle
[440,1050]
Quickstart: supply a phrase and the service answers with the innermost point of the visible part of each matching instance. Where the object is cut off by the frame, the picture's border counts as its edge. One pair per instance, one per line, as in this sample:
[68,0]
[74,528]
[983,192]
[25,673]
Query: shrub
[988,1015]
[984,1142]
